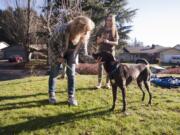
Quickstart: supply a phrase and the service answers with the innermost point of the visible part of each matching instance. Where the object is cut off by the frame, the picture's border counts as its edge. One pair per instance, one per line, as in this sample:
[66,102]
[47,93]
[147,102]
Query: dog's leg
[147,86]
[123,90]
[114,92]
[140,86]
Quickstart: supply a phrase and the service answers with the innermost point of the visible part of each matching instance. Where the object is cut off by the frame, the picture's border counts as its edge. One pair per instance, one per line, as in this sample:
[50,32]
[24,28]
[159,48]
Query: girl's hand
[100,40]
[106,41]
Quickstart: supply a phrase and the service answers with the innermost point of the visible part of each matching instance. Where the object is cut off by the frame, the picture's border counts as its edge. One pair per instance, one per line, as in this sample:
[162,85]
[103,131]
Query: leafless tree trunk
[67,10]
[28,27]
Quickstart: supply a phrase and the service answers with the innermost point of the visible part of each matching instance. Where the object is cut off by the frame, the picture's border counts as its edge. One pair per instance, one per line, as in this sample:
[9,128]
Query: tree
[20,24]
[62,11]
[13,24]
[58,12]
[98,9]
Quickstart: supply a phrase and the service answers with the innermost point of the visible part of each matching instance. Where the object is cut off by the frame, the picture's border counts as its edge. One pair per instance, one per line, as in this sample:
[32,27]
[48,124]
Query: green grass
[24,109]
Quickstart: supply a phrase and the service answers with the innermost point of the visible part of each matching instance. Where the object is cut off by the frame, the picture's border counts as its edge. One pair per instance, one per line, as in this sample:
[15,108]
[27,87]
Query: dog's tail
[143,61]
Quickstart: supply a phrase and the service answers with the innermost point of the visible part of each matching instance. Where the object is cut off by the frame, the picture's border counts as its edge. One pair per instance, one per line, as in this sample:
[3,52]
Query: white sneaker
[72,101]
[99,86]
[108,86]
[52,98]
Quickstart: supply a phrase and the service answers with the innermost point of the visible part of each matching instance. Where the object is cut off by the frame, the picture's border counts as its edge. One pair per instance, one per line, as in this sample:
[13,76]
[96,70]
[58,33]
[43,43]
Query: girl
[107,39]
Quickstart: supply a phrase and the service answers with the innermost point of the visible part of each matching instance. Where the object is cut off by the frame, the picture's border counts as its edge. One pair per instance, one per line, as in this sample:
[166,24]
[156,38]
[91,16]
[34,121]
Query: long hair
[113,28]
[80,25]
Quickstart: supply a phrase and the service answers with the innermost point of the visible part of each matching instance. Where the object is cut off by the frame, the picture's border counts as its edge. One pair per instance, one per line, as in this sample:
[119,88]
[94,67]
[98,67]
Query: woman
[107,39]
[64,45]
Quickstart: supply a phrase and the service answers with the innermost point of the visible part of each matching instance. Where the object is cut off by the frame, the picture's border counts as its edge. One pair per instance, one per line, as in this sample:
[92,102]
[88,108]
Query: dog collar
[114,69]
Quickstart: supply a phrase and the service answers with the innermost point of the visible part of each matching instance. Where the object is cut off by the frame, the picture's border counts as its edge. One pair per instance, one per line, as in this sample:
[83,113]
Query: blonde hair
[114,28]
[81,25]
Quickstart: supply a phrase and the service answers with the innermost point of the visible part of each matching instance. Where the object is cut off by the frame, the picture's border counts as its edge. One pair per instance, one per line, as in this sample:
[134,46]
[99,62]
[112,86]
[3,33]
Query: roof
[146,50]
[177,47]
[3,45]
[14,47]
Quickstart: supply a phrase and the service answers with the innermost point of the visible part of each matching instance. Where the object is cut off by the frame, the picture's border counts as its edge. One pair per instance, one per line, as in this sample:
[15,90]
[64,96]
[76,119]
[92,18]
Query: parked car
[175,59]
[16,58]
[156,69]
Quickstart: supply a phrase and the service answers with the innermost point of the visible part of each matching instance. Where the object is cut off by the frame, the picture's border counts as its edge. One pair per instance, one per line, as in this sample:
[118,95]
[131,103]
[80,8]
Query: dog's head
[103,57]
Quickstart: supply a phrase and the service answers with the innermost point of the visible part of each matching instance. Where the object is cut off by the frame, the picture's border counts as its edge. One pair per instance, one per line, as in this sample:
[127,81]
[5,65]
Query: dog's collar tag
[114,71]
[113,81]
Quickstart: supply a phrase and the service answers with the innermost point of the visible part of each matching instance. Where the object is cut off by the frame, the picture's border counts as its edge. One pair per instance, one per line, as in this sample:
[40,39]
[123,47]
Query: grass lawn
[24,109]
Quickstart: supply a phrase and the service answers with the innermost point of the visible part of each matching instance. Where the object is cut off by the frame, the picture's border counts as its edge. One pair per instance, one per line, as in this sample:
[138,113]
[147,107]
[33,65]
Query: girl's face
[76,39]
[80,36]
[109,22]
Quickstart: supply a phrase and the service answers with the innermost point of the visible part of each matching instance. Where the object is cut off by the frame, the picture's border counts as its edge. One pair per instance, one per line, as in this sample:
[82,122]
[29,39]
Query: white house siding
[170,56]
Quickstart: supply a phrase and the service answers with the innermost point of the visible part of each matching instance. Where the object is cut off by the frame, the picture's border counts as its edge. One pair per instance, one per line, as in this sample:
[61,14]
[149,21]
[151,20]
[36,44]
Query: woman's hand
[99,40]
[112,43]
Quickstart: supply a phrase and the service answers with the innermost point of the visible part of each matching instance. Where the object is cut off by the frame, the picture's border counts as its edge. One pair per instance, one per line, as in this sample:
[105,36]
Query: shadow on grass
[21,82]
[22,96]
[7,76]
[37,123]
[29,104]
[34,103]
[88,88]
[40,94]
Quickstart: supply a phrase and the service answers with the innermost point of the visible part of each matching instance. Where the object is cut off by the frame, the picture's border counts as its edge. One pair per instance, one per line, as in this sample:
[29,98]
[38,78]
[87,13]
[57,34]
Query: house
[15,50]
[171,55]
[2,46]
[38,51]
[131,54]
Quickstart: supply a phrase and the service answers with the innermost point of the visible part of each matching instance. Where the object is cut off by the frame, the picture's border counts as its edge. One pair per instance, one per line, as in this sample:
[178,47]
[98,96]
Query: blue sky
[156,21]
[5,3]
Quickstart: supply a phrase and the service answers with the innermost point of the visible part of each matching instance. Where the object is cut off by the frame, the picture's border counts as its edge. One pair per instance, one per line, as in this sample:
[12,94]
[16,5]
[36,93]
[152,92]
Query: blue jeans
[100,74]
[55,71]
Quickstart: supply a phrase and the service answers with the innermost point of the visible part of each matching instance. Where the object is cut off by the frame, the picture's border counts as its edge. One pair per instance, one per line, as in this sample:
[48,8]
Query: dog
[121,75]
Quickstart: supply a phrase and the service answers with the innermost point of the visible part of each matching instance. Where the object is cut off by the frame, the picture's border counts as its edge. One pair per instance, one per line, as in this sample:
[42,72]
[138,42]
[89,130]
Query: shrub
[86,68]
[171,71]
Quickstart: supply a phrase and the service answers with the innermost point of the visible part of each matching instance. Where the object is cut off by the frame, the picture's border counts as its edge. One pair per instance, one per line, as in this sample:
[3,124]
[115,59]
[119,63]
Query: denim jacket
[58,43]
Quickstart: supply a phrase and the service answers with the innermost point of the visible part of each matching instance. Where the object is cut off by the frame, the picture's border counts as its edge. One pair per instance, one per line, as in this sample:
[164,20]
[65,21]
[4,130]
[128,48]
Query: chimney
[153,46]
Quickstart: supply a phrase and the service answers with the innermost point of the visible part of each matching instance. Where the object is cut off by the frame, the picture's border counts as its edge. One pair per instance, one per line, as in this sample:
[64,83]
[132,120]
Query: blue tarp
[167,82]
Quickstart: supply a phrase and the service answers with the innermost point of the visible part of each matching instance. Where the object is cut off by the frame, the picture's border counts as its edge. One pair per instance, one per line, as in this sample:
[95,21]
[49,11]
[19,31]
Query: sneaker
[108,86]
[52,98]
[98,86]
[72,101]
